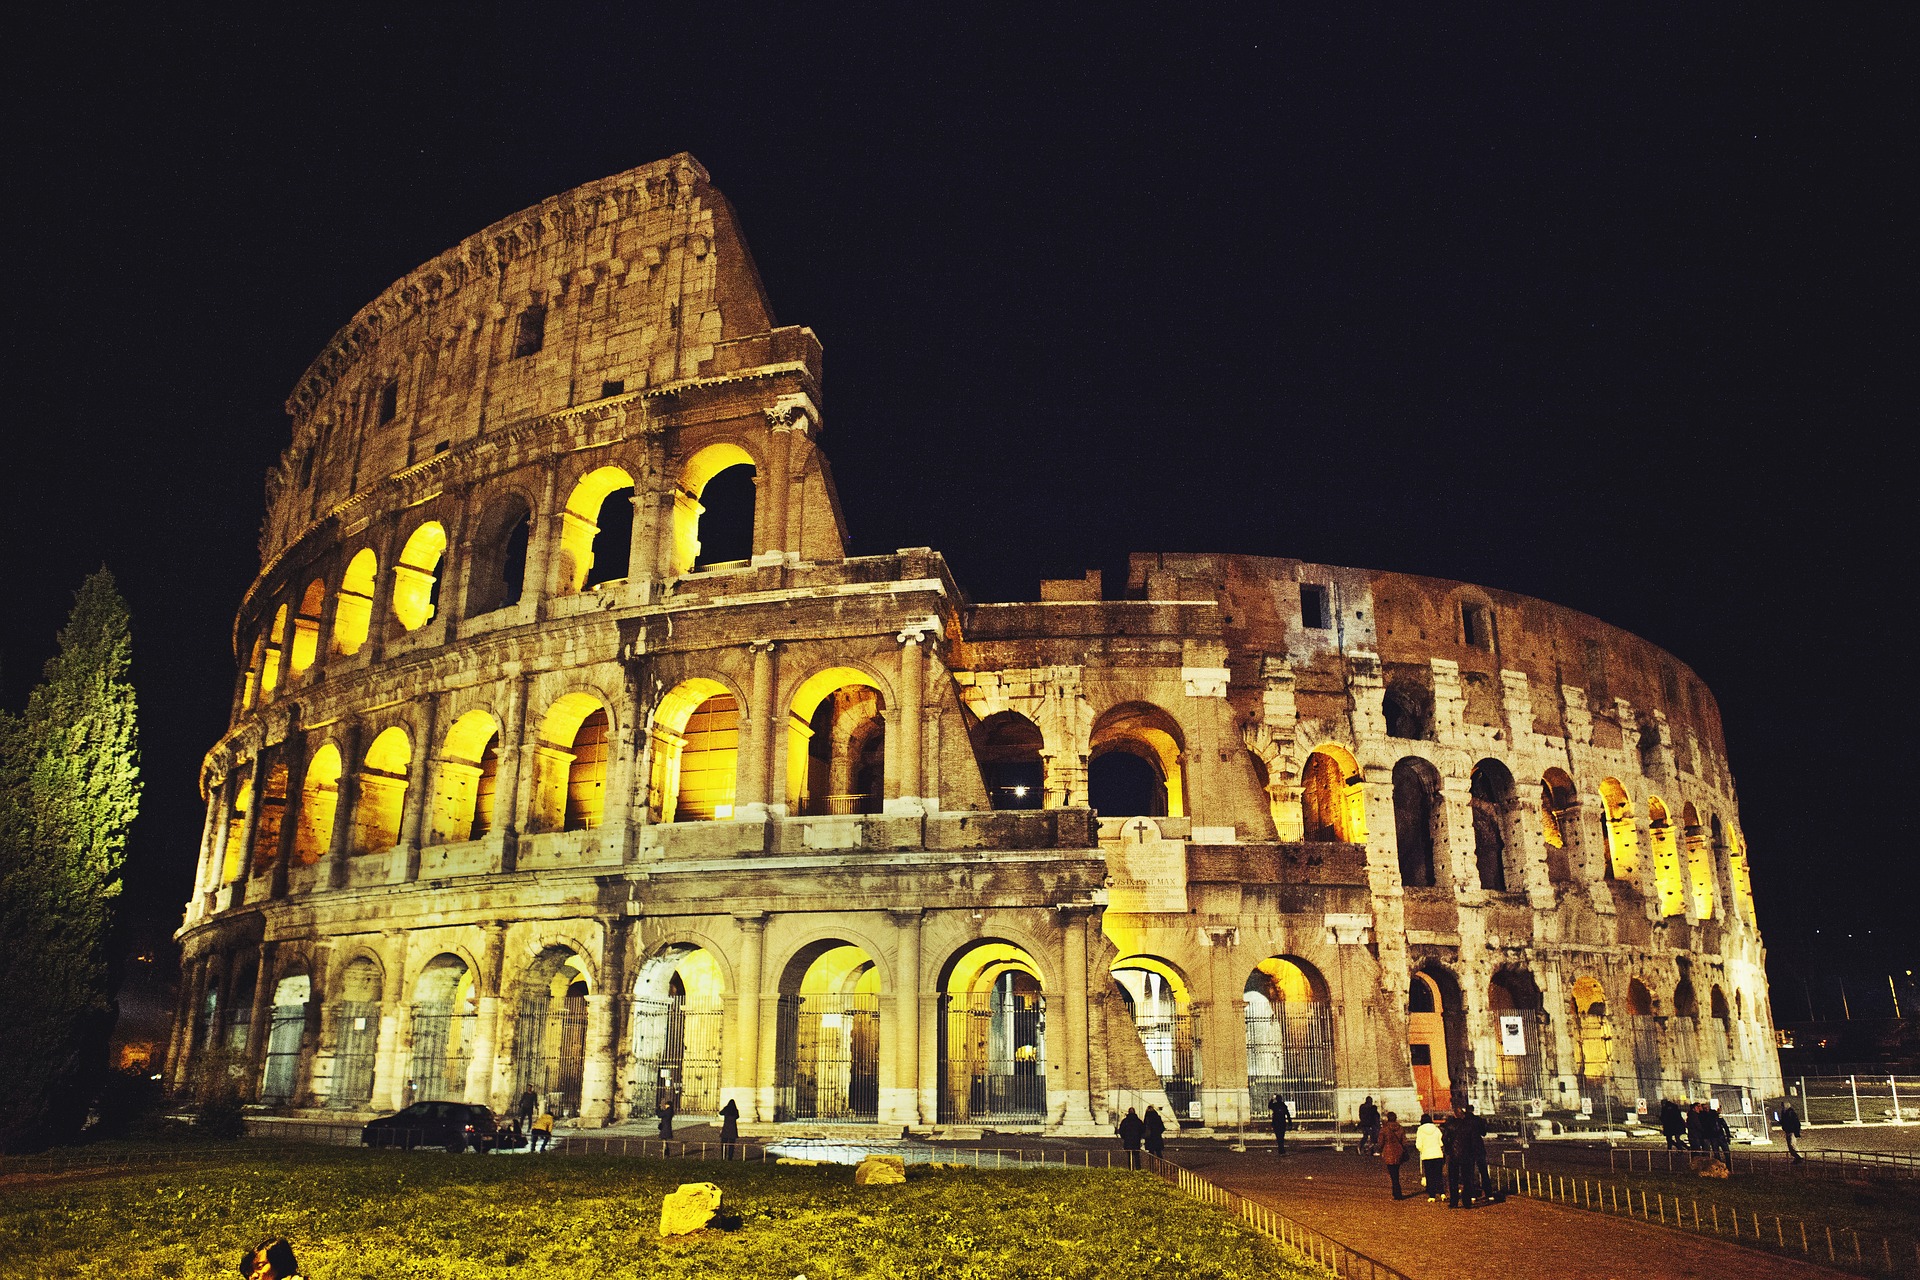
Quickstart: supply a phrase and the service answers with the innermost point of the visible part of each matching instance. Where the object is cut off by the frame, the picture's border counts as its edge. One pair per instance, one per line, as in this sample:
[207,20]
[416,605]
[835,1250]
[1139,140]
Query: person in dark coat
[729,1128]
[1476,1138]
[1369,1126]
[529,1107]
[1699,1133]
[1132,1130]
[1673,1124]
[1152,1130]
[1393,1149]
[1460,1170]
[1720,1133]
[1790,1125]
[1282,1117]
[664,1110]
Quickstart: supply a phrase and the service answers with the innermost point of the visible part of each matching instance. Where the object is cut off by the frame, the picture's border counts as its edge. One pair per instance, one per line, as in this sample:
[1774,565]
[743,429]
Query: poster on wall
[1513,1036]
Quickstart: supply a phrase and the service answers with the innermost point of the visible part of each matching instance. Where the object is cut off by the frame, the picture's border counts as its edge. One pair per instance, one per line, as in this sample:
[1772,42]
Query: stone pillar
[180,1052]
[747,1087]
[389,1072]
[760,730]
[504,836]
[258,1019]
[903,1107]
[340,847]
[781,423]
[222,833]
[909,793]
[543,537]
[420,780]
[1224,1089]
[596,1073]
[480,1067]
[295,754]
[1074,1038]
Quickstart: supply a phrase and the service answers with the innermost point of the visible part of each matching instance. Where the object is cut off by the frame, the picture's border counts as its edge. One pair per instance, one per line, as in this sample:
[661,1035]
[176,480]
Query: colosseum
[571,751]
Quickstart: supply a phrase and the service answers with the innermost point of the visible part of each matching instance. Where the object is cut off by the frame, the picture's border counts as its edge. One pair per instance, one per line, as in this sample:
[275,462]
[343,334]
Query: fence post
[1894,1085]
[1853,1083]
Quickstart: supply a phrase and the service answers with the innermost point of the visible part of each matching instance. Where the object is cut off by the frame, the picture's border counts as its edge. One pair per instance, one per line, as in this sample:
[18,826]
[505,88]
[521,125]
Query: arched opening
[596,531]
[1667,880]
[1650,752]
[1700,854]
[550,1030]
[250,678]
[1685,1031]
[1290,1039]
[1496,827]
[826,1062]
[273,813]
[468,776]
[1721,1020]
[306,627]
[1593,1035]
[383,792]
[1158,998]
[679,1001]
[1333,803]
[1623,842]
[1008,746]
[695,753]
[1416,818]
[356,1034]
[1437,1037]
[443,1021]
[836,745]
[497,572]
[353,604]
[1124,739]
[233,858]
[1558,816]
[570,766]
[416,578]
[1408,710]
[1643,1028]
[286,1029]
[270,659]
[993,1041]
[1738,875]
[713,509]
[319,800]
[239,1023]
[1520,1020]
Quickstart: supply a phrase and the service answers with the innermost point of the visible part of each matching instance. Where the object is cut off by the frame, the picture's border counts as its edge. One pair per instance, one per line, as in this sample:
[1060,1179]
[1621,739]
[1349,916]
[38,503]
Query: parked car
[453,1125]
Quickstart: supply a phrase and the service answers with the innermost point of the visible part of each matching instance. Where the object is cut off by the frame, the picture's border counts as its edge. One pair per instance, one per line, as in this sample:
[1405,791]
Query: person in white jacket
[1431,1143]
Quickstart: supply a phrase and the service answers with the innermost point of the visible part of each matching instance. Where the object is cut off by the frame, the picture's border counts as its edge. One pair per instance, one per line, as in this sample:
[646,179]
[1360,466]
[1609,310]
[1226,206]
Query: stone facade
[535,783]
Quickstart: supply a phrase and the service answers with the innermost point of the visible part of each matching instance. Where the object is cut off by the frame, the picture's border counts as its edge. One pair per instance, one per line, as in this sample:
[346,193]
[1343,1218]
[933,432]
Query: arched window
[1623,842]
[496,577]
[713,509]
[353,606]
[1592,1035]
[1699,854]
[550,1030]
[1408,710]
[1289,1021]
[1557,798]
[827,1035]
[1333,797]
[695,753]
[587,773]
[306,627]
[469,767]
[1650,749]
[250,678]
[1136,766]
[273,811]
[270,659]
[1416,809]
[1007,745]
[319,799]
[1666,859]
[596,532]
[416,579]
[383,792]
[1738,875]
[570,766]
[356,1021]
[1496,829]
[836,745]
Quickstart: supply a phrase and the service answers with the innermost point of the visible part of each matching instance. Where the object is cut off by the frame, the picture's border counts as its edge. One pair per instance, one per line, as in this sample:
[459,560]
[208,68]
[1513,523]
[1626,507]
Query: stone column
[389,1073]
[340,847]
[504,836]
[258,1017]
[755,792]
[596,1073]
[480,1067]
[781,424]
[1074,1039]
[1224,1089]
[904,1106]
[907,794]
[747,1087]
[222,833]
[295,753]
[420,778]
[180,1052]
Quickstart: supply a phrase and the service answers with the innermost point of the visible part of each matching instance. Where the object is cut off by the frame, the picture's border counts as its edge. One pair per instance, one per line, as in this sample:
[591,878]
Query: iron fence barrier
[1838,1247]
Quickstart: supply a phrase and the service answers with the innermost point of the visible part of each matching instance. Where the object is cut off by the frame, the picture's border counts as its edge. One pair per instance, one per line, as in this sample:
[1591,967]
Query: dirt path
[1348,1197]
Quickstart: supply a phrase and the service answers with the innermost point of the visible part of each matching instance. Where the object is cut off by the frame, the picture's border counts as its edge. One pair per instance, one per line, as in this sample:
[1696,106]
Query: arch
[1159,998]
[250,678]
[993,1041]
[689,512]
[1649,748]
[1640,1000]
[827,1041]
[1593,1034]
[497,562]
[591,550]
[319,800]
[306,627]
[1557,800]
[1437,1035]
[1148,734]
[353,603]
[286,1029]
[1407,709]
[273,812]
[416,578]
[445,1001]
[383,792]
[233,857]
[1289,1022]
[694,752]
[1722,1017]
[1667,881]
[270,659]
[1623,842]
[678,1030]
[467,779]
[1497,834]
[1643,1031]
[1008,747]
[1417,823]
[1685,1003]
[1513,996]
[1738,874]
[836,744]
[1333,796]
[356,1031]
[1700,876]
[570,765]
[550,1027]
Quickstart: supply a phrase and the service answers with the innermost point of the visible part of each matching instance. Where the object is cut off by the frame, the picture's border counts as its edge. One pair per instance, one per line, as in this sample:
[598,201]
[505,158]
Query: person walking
[729,1128]
[1369,1126]
[1430,1142]
[1699,1140]
[1393,1149]
[1790,1125]
[542,1130]
[1673,1125]
[1132,1130]
[529,1105]
[1460,1170]
[1153,1130]
[1476,1139]
[1282,1117]
[664,1111]
[1721,1134]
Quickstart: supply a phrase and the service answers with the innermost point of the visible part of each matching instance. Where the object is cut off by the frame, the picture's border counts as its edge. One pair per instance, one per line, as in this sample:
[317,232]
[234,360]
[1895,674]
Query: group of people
[1137,1131]
[1701,1129]
[1452,1147]
[532,1122]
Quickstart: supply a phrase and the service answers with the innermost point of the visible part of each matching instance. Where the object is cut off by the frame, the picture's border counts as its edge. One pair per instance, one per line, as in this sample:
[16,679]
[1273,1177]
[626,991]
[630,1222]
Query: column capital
[792,413]
[903,916]
[751,921]
[916,632]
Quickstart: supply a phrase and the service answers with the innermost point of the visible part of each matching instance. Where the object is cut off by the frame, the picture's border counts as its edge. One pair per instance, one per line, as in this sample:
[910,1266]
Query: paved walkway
[1348,1197]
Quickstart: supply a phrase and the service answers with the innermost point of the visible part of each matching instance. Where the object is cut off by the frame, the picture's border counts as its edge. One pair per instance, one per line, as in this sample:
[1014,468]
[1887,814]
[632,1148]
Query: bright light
[1020,792]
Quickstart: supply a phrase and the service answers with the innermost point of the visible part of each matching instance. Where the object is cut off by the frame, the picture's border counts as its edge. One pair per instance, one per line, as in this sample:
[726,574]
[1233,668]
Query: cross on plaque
[1140,827]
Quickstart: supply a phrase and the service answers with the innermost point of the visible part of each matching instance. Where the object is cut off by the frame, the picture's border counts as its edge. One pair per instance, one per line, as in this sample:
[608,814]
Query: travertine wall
[518,796]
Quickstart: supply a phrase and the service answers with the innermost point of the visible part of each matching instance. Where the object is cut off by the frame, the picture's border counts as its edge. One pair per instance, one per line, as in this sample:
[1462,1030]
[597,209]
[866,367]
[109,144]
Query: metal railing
[1856,1098]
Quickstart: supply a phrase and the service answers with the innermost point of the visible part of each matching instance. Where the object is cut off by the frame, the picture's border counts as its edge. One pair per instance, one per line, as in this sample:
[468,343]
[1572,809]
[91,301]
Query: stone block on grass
[691,1208]
[877,1171]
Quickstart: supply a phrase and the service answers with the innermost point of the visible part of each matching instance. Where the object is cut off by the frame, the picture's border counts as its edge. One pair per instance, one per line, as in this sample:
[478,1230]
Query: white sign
[1640,1106]
[1714,1103]
[1586,1107]
[1513,1036]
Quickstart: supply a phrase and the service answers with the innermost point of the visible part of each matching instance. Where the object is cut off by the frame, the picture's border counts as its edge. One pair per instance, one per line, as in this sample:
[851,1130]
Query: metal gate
[1290,1054]
[993,1057]
[442,1048]
[678,1048]
[827,1058]
[1172,1043]
[1643,1032]
[284,1032]
[550,1050]
[356,1040]
[1520,1079]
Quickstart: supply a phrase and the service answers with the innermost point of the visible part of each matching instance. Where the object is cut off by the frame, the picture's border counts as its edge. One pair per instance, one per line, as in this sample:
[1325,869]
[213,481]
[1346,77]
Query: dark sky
[1617,314]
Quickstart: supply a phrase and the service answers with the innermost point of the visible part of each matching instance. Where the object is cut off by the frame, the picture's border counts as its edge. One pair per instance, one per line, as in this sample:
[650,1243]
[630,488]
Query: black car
[453,1125]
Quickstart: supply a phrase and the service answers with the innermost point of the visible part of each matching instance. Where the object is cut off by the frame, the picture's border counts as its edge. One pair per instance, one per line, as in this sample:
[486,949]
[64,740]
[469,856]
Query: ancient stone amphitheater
[571,751]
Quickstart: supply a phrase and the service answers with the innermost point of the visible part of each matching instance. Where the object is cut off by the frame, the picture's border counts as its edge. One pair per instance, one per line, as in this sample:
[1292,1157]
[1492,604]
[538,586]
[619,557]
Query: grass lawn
[389,1214]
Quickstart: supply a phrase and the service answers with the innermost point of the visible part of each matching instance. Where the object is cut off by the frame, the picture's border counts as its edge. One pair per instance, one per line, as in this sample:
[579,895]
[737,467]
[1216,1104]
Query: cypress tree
[69,790]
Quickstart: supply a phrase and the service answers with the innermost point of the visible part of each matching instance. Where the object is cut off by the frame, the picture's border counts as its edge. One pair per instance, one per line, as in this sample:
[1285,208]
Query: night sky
[1616,315]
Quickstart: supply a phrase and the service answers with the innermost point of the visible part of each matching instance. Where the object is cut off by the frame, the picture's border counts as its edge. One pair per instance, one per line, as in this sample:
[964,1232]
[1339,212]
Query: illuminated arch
[383,792]
[1159,1001]
[416,578]
[270,660]
[1623,842]
[1437,1045]
[836,743]
[1143,732]
[570,765]
[353,603]
[1738,874]
[1289,1026]
[584,558]
[699,471]
[550,1027]
[1557,799]
[467,779]
[306,627]
[1699,855]
[695,752]
[1667,879]
[1593,1033]
[678,1030]
[250,678]
[273,812]
[827,1038]
[993,1041]
[445,1002]
[319,799]
[1333,797]
[233,856]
